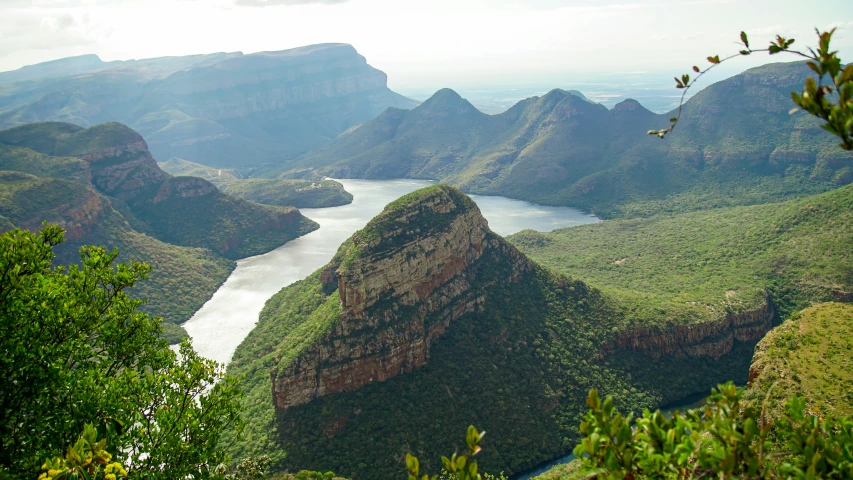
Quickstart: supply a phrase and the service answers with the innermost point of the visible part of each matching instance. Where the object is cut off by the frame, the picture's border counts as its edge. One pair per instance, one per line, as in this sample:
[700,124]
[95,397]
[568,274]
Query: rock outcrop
[183,187]
[709,339]
[401,281]
[124,171]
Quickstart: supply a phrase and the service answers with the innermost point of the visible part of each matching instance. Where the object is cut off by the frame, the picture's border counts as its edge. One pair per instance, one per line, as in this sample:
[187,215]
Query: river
[225,320]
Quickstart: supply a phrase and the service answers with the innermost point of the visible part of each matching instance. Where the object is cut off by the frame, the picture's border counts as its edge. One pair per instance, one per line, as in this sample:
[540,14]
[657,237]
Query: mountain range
[736,143]
[223,109]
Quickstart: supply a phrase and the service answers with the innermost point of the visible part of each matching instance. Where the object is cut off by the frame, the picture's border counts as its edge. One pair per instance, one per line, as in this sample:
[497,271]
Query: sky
[427,44]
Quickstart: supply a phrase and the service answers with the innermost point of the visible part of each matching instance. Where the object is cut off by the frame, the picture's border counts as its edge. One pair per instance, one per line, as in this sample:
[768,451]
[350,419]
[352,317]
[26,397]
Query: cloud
[288,3]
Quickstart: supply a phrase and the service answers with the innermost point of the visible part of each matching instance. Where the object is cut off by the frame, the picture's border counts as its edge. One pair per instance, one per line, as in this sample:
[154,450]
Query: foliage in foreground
[457,467]
[87,459]
[818,98]
[77,351]
[724,439]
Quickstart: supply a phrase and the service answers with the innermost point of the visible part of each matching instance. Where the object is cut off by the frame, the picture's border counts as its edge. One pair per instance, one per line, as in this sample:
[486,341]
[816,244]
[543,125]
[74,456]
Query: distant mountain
[297,193]
[104,188]
[224,109]
[735,144]
[55,68]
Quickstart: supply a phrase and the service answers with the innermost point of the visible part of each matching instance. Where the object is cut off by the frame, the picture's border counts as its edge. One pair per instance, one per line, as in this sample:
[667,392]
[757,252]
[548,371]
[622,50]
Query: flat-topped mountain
[734,136]
[225,109]
[425,321]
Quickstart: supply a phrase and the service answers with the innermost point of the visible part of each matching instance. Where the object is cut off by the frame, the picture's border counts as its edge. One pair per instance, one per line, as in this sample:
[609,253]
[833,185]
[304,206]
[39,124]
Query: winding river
[225,320]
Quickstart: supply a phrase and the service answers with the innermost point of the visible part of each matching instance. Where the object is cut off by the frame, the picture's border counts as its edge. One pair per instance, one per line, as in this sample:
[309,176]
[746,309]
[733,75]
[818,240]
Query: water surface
[225,320]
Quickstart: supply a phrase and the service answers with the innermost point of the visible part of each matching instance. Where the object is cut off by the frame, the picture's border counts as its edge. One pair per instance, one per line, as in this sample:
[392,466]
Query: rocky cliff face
[124,171]
[183,187]
[712,339]
[269,81]
[76,208]
[218,109]
[401,281]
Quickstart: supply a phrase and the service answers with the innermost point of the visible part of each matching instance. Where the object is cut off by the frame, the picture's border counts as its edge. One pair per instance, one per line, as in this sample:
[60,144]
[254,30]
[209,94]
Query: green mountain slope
[810,355]
[181,210]
[224,109]
[736,144]
[425,321]
[182,278]
[268,191]
[703,264]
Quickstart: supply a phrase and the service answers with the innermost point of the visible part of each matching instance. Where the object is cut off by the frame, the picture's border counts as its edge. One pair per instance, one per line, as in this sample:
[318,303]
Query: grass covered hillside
[41,165]
[185,211]
[268,191]
[701,265]
[182,278]
[472,332]
[810,355]
[198,215]
[736,144]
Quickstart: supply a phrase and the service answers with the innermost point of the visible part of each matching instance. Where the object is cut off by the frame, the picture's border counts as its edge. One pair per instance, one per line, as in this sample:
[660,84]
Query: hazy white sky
[423,43]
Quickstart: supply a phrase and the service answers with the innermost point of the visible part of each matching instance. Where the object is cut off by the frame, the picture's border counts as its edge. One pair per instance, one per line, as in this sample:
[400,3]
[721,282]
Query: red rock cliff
[400,287]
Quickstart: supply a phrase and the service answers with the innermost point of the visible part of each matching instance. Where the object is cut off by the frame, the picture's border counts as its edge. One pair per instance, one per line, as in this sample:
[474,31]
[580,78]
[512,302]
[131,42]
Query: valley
[338,352]
[306,272]
[231,313]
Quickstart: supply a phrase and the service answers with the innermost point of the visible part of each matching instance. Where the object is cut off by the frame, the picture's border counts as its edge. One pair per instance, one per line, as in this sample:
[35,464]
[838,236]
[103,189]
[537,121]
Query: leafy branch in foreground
[724,439]
[78,352]
[87,459]
[817,96]
[457,467]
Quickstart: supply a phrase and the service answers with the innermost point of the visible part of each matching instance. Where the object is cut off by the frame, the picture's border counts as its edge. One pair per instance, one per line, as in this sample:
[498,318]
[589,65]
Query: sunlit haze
[424,45]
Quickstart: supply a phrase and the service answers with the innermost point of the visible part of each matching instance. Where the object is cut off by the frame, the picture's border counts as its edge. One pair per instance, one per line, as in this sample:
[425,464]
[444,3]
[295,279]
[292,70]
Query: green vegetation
[78,354]
[40,165]
[811,356]
[722,439]
[520,366]
[230,226]
[183,278]
[672,269]
[188,212]
[268,191]
[457,467]
[420,219]
[735,145]
[817,97]
[68,140]
[565,471]
[87,458]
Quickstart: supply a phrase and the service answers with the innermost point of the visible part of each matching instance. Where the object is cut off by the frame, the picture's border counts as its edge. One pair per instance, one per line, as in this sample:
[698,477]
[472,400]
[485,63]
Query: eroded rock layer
[709,339]
[401,281]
